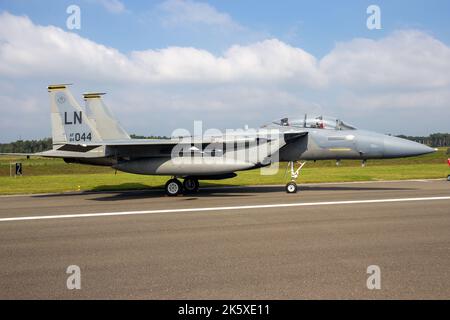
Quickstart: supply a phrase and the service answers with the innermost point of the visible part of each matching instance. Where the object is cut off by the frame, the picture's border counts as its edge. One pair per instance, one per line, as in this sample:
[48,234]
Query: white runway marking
[263,206]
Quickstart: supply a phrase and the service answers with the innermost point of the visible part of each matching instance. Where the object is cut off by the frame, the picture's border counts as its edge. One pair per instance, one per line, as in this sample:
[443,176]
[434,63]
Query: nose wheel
[291,187]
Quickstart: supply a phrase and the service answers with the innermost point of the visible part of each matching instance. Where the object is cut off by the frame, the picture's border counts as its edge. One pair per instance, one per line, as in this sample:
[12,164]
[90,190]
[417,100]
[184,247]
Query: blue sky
[313,25]
[167,63]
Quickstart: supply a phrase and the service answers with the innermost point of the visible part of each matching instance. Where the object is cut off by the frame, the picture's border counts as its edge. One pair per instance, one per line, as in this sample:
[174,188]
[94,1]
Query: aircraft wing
[130,142]
[288,137]
[154,146]
[87,146]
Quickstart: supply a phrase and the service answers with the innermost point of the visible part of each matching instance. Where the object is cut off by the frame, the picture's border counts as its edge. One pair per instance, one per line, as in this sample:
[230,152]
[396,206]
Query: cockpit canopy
[319,122]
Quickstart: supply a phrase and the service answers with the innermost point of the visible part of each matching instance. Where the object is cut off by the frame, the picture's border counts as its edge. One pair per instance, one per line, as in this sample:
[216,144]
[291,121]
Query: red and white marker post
[448,162]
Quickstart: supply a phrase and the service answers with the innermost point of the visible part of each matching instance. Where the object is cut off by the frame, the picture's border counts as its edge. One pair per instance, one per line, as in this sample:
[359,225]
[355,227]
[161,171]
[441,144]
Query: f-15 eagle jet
[92,136]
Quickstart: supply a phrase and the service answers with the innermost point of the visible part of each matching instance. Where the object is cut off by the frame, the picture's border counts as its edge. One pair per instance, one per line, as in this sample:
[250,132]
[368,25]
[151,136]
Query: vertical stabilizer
[69,122]
[101,117]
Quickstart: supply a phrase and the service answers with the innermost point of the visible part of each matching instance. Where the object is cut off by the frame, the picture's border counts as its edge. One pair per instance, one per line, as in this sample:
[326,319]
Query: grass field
[54,175]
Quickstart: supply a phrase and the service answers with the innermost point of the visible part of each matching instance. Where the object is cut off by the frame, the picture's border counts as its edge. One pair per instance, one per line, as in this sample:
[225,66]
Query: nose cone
[397,148]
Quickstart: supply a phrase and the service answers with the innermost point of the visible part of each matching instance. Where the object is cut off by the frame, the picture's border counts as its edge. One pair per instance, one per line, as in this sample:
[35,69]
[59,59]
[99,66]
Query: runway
[231,243]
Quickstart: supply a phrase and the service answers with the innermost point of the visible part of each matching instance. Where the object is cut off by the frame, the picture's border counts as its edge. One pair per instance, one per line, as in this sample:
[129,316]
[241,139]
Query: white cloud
[407,59]
[30,50]
[27,50]
[261,62]
[188,12]
[361,80]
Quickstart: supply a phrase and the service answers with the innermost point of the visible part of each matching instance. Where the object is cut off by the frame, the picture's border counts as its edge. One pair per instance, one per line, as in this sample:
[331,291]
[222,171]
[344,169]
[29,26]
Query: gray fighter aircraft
[93,136]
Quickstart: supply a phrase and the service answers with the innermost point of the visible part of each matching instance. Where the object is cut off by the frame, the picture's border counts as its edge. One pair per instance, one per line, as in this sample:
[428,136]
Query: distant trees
[434,140]
[26,146]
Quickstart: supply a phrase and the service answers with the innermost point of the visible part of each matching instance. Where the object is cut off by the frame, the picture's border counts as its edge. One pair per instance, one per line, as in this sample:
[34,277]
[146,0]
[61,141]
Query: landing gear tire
[448,177]
[191,185]
[173,188]
[291,187]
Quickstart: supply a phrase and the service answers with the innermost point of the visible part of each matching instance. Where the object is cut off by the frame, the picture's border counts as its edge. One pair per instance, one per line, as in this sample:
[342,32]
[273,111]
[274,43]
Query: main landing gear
[291,187]
[190,185]
[174,187]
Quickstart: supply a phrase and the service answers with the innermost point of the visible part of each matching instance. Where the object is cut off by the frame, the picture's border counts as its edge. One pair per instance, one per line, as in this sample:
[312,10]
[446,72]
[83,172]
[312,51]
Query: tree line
[26,146]
[434,140]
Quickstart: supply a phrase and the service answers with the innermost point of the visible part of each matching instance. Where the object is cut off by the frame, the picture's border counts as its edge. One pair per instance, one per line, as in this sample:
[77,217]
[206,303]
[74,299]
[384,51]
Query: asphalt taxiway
[231,243]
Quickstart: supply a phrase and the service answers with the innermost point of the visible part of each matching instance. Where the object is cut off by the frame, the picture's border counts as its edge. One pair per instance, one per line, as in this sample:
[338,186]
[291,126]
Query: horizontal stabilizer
[19,154]
[76,148]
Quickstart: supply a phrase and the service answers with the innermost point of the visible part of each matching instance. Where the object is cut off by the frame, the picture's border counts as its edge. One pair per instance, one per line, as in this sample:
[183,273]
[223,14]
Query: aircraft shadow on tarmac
[229,191]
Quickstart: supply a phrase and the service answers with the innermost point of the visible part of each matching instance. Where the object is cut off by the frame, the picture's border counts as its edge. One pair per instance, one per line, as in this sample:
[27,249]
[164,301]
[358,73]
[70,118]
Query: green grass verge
[53,175]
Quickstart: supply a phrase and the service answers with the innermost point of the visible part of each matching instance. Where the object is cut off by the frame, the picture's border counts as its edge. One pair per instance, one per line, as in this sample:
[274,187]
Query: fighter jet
[93,136]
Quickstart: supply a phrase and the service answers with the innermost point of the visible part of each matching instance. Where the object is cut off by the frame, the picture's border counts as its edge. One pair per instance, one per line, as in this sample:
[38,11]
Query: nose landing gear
[291,187]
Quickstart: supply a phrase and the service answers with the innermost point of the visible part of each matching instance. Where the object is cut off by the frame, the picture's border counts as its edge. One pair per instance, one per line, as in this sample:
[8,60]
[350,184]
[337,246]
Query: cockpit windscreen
[319,122]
